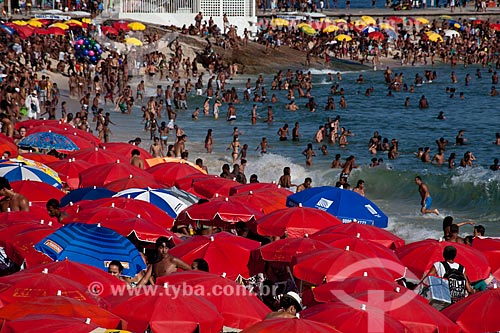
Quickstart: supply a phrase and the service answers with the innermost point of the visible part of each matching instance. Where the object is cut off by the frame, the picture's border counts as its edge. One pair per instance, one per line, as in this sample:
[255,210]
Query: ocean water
[466,194]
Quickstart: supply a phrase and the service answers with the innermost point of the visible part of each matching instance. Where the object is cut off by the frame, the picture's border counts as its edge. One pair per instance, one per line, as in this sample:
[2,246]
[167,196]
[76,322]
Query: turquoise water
[466,194]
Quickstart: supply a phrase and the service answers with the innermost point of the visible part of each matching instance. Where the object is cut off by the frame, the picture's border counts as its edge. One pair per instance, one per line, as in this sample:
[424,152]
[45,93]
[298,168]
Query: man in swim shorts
[426,199]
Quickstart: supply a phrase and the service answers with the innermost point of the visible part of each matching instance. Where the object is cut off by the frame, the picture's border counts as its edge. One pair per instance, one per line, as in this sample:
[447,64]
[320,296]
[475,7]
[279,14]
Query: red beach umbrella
[81,273]
[25,31]
[140,208]
[42,158]
[56,31]
[31,123]
[239,307]
[289,325]
[184,314]
[335,264]
[420,256]
[395,19]
[20,248]
[324,293]
[125,149]
[103,174]
[24,286]
[257,187]
[98,215]
[121,25]
[63,306]
[132,182]
[12,218]
[224,252]
[69,170]
[364,231]
[168,173]
[44,323]
[143,229]
[366,247]
[285,249]
[37,191]
[97,156]
[295,222]
[475,314]
[495,26]
[7,144]
[354,319]
[376,35]
[490,247]
[218,212]
[108,30]
[9,232]
[265,200]
[409,309]
[209,188]
[185,183]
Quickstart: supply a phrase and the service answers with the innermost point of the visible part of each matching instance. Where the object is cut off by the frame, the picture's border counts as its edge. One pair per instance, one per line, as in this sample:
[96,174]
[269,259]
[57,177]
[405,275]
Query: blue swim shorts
[428,203]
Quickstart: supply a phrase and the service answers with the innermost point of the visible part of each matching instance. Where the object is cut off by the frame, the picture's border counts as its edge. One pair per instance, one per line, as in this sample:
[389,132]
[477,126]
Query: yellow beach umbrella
[59,25]
[368,19]
[445,17]
[340,21]
[86,20]
[360,24]
[325,19]
[35,23]
[75,22]
[133,41]
[309,30]
[279,22]
[343,38]
[137,26]
[303,24]
[386,26]
[20,22]
[422,20]
[434,37]
[330,28]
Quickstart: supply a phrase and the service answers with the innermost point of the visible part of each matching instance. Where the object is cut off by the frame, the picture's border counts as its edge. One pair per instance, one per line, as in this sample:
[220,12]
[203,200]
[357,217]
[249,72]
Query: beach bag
[33,106]
[456,281]
[437,291]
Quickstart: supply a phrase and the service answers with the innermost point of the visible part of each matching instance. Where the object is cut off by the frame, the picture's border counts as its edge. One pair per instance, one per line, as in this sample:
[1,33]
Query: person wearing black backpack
[458,281]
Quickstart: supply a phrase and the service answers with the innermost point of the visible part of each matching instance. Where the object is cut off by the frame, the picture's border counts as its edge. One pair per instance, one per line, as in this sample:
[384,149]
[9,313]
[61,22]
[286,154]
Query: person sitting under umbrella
[290,306]
[115,268]
[53,209]
[165,263]
[11,201]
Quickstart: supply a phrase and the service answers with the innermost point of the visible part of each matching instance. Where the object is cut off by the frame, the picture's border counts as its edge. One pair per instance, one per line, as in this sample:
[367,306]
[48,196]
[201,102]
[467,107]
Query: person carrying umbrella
[11,201]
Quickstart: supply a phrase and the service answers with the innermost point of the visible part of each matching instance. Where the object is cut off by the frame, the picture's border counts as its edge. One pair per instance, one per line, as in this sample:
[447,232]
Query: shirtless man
[156,148]
[283,133]
[426,200]
[11,201]
[136,160]
[166,264]
[179,146]
[53,209]
[439,157]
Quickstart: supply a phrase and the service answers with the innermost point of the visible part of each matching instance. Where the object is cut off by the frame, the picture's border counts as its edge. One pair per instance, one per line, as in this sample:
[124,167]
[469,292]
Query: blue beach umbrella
[86,193]
[347,205]
[48,140]
[20,171]
[7,29]
[93,245]
[165,199]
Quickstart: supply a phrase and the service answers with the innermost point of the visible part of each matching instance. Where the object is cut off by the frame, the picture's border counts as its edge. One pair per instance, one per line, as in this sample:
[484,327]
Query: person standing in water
[426,199]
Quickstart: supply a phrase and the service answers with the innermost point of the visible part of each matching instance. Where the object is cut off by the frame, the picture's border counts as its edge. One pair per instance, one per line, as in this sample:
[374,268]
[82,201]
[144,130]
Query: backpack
[456,281]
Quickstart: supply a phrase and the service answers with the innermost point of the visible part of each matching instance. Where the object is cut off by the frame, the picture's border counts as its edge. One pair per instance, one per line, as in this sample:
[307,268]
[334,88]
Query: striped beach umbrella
[93,245]
[18,171]
[167,200]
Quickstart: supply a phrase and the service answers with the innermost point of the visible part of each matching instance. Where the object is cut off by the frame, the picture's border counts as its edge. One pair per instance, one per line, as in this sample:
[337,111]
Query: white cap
[295,296]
